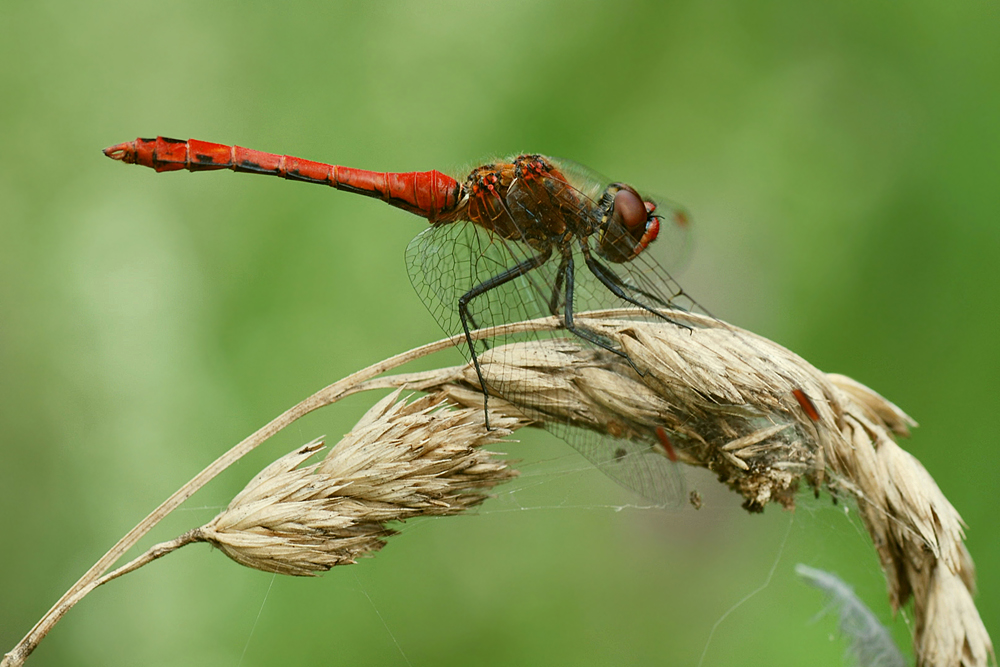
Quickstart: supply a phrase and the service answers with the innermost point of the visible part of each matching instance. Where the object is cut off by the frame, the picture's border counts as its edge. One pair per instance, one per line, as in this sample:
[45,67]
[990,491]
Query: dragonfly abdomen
[429,194]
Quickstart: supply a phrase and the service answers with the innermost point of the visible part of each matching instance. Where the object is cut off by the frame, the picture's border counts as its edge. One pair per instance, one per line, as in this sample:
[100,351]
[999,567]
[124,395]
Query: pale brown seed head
[757,415]
[402,460]
[730,400]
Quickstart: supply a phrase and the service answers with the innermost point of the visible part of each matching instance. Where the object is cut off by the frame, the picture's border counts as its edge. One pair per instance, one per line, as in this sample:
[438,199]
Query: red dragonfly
[519,238]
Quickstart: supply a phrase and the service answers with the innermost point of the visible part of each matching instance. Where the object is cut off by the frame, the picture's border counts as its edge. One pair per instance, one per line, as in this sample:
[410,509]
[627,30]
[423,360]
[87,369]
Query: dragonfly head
[629,223]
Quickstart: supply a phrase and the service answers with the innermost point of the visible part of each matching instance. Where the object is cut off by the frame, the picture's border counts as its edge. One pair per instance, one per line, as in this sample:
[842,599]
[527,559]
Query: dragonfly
[518,238]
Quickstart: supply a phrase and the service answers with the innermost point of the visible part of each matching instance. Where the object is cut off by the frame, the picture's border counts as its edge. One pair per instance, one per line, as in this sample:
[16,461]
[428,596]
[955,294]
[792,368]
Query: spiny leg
[605,275]
[560,274]
[482,288]
[594,338]
[615,285]
[585,334]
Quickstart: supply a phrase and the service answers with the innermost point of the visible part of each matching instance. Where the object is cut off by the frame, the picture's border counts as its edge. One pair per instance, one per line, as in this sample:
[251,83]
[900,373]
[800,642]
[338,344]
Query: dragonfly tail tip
[124,152]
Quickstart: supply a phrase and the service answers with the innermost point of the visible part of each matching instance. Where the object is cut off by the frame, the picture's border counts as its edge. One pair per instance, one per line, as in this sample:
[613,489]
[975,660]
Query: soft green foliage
[840,161]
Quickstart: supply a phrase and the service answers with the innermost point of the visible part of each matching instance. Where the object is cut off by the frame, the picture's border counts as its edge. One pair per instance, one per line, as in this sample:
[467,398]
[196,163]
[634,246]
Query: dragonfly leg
[560,275]
[611,280]
[600,341]
[482,288]
[613,284]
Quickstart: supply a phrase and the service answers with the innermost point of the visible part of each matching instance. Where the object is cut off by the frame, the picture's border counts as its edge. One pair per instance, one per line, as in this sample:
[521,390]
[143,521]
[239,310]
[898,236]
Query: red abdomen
[430,194]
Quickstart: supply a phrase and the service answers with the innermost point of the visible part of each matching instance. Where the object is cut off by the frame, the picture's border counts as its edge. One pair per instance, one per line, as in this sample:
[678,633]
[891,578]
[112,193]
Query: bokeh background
[841,161]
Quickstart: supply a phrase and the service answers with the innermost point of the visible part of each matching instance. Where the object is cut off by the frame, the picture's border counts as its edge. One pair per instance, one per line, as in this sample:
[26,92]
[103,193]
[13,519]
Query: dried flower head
[764,420]
[731,401]
[402,460]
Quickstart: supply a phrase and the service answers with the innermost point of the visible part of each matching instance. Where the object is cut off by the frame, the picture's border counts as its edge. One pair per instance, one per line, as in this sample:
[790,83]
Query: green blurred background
[841,162]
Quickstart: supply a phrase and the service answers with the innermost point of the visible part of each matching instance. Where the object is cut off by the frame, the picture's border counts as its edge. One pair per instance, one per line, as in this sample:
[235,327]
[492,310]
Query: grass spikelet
[402,460]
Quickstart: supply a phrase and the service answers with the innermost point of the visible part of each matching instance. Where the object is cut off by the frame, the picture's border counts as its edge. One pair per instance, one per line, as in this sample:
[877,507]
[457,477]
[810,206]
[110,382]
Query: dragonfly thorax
[528,199]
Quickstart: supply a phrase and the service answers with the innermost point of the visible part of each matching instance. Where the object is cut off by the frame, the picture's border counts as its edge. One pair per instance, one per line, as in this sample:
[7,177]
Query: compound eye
[630,210]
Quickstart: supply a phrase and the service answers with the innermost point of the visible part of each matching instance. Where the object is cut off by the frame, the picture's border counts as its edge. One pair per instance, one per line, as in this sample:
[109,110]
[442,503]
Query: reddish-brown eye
[630,210]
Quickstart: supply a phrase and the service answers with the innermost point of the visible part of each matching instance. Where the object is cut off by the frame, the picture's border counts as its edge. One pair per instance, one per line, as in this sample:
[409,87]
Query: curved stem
[95,576]
[92,577]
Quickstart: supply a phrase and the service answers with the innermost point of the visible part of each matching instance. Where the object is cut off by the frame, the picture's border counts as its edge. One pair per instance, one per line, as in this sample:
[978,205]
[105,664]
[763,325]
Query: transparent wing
[446,262]
[635,464]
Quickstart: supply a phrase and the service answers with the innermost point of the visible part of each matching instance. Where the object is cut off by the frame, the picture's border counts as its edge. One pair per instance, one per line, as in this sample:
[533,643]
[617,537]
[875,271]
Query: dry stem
[92,577]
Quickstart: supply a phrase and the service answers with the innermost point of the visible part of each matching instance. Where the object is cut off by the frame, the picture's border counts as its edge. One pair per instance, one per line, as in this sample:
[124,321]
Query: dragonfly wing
[635,464]
[446,262]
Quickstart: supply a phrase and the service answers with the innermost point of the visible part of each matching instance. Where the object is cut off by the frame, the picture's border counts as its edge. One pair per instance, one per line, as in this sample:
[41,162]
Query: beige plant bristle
[402,460]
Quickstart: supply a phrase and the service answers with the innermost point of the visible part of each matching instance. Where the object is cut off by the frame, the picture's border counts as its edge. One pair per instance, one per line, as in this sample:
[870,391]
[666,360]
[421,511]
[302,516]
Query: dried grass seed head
[402,460]
[763,419]
[725,397]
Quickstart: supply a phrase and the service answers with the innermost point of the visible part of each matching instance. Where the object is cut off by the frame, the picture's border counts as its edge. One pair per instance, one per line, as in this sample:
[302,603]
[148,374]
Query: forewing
[672,248]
